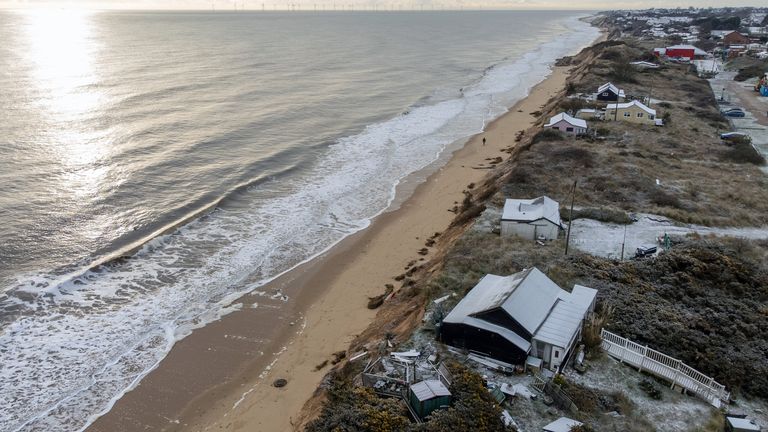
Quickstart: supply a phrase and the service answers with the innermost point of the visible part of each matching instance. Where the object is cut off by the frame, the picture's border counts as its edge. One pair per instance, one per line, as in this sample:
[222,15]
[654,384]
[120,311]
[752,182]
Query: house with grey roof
[510,318]
[537,218]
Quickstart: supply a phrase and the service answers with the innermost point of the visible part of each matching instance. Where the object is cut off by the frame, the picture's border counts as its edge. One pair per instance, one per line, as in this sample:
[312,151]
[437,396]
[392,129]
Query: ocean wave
[78,344]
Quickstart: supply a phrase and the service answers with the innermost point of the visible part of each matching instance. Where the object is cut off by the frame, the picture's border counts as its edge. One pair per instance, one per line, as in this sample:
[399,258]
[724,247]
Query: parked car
[734,112]
[645,251]
[731,137]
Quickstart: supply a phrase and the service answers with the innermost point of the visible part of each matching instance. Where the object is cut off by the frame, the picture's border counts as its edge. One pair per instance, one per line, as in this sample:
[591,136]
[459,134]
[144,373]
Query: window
[569,129]
[556,127]
[651,116]
[626,114]
[557,354]
[639,115]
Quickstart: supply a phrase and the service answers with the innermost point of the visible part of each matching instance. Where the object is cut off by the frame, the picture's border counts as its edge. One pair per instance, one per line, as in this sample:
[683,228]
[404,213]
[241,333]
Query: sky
[368,4]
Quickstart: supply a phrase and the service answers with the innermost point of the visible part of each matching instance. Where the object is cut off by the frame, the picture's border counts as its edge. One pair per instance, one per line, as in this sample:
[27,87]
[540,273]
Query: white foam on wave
[81,344]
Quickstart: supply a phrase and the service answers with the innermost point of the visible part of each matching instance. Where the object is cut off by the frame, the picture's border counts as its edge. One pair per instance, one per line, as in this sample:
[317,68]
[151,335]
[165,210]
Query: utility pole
[623,242]
[570,218]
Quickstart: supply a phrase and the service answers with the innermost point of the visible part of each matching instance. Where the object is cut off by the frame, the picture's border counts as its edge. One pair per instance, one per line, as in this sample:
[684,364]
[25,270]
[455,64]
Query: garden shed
[427,396]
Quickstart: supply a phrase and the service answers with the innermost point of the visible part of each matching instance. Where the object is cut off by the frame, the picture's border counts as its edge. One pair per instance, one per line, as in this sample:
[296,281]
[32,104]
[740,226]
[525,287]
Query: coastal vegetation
[351,409]
[704,301]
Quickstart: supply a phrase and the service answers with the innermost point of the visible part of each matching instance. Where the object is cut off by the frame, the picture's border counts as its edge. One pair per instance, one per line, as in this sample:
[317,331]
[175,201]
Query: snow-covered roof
[644,63]
[629,104]
[429,389]
[742,424]
[534,297]
[527,297]
[563,424]
[611,87]
[583,296]
[568,119]
[564,320]
[529,210]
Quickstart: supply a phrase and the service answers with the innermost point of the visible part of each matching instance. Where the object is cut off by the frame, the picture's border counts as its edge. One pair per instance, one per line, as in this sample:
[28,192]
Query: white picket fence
[664,366]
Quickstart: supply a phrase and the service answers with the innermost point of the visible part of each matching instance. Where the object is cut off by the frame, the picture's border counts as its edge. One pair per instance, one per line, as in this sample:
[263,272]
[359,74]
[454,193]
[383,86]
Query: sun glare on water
[60,52]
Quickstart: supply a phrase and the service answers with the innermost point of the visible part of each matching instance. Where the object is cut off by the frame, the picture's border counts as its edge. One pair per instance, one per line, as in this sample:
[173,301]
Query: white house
[513,317]
[531,218]
[565,123]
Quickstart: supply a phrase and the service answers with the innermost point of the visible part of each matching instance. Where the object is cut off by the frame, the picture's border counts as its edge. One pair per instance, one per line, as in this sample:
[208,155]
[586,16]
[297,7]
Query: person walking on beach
[483,140]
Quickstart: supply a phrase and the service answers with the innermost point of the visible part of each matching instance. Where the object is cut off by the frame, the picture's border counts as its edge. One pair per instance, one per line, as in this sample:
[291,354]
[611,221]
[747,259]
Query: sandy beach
[216,380]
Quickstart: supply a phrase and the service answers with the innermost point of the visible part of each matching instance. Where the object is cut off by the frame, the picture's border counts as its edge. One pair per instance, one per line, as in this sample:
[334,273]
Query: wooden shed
[427,396]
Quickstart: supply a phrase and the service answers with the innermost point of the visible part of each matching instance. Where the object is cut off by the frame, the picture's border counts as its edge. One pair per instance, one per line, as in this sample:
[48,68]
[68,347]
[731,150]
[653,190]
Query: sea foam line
[490,89]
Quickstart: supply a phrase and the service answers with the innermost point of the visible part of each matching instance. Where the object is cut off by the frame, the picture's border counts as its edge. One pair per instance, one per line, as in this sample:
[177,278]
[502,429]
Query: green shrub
[548,134]
[744,153]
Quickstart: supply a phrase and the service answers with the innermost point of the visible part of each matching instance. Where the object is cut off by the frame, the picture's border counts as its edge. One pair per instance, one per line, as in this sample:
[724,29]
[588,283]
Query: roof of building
[566,118]
[629,104]
[644,63]
[742,424]
[563,424]
[429,389]
[564,320]
[696,51]
[611,87]
[527,296]
[529,210]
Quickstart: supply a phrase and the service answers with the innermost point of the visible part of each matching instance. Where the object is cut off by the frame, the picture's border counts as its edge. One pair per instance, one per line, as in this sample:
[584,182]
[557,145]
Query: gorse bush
[743,152]
[548,134]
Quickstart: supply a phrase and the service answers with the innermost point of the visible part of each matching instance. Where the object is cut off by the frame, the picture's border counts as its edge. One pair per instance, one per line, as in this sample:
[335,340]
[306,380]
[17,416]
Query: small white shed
[563,424]
[736,424]
[531,218]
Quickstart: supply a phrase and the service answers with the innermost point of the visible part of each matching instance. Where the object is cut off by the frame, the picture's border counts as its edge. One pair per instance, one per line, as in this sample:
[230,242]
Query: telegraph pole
[623,242]
[570,218]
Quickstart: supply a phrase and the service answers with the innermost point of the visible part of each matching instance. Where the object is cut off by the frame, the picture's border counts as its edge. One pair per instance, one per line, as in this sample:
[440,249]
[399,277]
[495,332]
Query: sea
[156,166]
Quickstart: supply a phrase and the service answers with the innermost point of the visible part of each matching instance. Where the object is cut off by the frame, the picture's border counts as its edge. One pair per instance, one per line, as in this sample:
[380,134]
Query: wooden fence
[664,366]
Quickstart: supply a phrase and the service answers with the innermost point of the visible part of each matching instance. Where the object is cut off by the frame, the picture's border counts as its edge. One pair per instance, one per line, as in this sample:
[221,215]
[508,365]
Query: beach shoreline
[214,379]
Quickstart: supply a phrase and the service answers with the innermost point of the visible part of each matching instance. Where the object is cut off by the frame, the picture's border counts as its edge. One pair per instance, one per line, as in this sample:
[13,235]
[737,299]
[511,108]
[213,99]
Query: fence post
[677,372]
[642,360]
[623,350]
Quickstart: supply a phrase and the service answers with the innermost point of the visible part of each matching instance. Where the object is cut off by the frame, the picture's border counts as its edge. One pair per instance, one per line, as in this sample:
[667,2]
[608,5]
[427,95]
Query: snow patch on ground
[605,239]
[675,412]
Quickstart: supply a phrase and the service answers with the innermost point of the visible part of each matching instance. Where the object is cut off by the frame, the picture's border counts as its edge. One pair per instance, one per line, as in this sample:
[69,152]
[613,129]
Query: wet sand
[219,378]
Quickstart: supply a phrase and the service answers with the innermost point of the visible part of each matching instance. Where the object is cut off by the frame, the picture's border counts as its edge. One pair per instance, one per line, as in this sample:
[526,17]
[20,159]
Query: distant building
[567,124]
[512,317]
[633,112]
[428,396]
[719,34]
[644,65]
[687,52]
[531,218]
[609,92]
[735,38]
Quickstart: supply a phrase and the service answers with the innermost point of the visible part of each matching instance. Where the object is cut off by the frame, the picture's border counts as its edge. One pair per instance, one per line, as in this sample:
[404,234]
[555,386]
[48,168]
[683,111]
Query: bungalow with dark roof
[512,317]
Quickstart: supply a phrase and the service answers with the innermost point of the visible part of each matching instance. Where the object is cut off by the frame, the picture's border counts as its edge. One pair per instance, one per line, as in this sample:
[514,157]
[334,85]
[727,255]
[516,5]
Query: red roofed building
[681,51]
[735,38]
